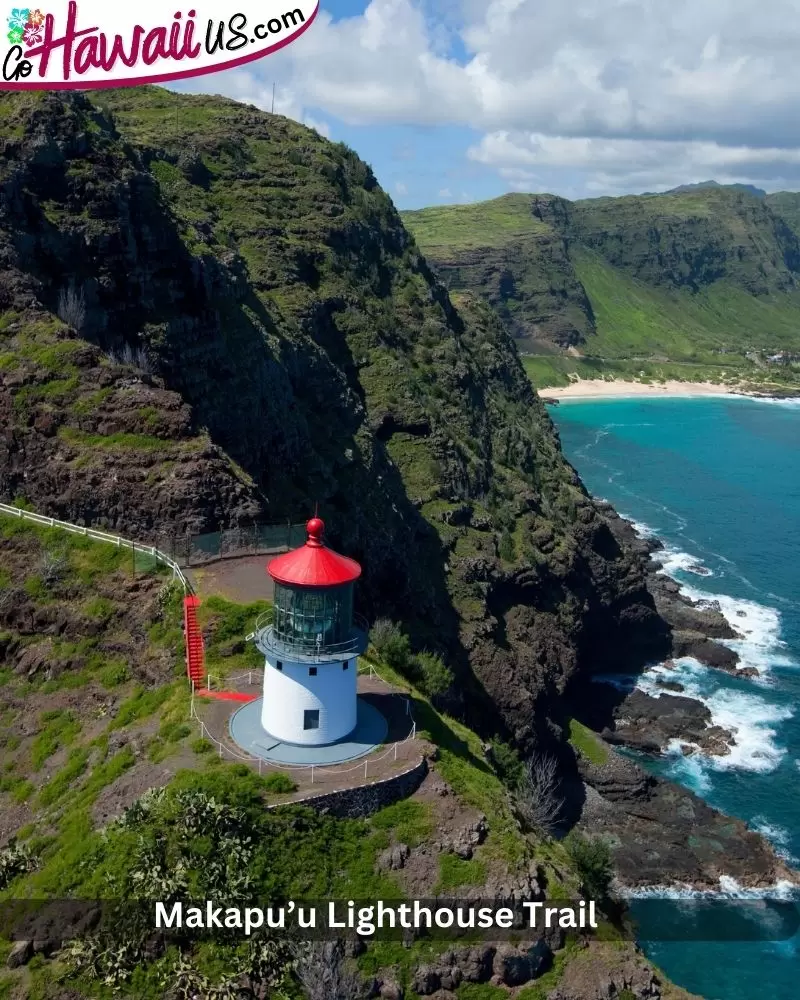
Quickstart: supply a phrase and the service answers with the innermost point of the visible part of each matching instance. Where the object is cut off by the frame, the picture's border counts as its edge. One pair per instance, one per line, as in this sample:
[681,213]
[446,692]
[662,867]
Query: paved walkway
[242,579]
[247,732]
[398,753]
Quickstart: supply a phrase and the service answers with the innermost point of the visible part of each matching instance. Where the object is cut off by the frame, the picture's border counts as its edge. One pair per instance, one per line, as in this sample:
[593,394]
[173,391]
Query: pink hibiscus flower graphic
[33,34]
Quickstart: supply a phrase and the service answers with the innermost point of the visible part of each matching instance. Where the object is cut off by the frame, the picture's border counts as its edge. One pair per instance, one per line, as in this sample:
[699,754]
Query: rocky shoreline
[663,834]
[698,629]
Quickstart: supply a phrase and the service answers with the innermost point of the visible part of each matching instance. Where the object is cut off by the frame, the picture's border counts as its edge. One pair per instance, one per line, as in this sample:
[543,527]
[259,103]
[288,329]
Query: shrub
[134,357]
[279,783]
[201,745]
[173,732]
[113,675]
[507,763]
[431,672]
[592,859]
[506,547]
[15,860]
[53,566]
[392,644]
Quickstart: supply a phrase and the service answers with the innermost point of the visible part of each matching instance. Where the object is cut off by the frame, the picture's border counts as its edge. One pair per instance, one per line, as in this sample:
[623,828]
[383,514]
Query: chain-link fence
[257,539]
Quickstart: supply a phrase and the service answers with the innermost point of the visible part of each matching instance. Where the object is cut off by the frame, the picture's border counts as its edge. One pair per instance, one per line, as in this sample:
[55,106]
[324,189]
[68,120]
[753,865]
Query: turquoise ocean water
[718,481]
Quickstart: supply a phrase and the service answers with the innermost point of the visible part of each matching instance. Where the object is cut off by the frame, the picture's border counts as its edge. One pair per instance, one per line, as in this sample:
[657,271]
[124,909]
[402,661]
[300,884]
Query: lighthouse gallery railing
[309,646]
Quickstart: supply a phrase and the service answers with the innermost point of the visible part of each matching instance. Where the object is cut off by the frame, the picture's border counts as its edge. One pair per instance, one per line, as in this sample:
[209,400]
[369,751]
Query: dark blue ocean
[718,481]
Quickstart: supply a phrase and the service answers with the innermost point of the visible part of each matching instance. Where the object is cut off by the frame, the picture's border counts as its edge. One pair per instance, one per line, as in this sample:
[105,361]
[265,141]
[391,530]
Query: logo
[90,44]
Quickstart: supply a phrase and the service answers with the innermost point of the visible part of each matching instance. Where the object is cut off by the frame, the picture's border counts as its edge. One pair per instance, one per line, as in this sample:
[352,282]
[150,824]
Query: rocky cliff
[669,275]
[210,314]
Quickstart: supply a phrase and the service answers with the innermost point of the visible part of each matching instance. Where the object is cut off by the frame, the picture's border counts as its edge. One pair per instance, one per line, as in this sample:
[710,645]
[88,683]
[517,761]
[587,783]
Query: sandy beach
[601,389]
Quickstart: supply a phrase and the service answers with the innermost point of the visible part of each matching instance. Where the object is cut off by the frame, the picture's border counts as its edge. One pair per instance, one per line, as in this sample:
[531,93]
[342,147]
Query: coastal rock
[391,990]
[664,834]
[651,724]
[708,652]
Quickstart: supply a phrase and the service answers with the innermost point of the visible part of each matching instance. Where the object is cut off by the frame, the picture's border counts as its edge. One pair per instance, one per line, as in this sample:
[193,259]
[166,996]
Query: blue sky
[461,100]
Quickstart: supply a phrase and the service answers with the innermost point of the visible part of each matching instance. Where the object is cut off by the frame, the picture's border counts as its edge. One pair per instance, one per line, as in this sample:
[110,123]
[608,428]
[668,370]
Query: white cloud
[322,127]
[710,80]
[400,188]
[616,165]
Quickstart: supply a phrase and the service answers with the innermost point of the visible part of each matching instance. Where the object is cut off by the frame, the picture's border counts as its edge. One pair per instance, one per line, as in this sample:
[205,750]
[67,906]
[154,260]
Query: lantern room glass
[312,618]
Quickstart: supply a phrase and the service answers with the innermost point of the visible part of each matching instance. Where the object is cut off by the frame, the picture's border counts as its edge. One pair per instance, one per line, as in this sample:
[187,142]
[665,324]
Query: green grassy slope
[105,721]
[290,346]
[681,285]
[786,204]
[465,227]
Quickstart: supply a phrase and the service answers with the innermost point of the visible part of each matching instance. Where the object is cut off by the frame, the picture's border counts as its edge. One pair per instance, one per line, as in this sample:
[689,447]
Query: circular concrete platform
[246,731]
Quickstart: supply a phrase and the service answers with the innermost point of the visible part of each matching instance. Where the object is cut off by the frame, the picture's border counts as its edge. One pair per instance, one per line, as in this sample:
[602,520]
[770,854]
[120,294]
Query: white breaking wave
[759,626]
[748,716]
[729,888]
[791,404]
[674,561]
[778,836]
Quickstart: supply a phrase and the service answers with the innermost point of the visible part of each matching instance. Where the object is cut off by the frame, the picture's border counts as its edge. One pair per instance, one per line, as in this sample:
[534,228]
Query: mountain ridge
[291,348]
[718,260]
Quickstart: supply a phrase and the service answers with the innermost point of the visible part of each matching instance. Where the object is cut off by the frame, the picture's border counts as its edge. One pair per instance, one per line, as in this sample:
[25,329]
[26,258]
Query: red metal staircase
[195,656]
[195,653]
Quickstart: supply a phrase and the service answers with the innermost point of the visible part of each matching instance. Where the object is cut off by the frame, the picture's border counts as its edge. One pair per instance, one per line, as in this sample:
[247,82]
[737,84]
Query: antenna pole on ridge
[273,97]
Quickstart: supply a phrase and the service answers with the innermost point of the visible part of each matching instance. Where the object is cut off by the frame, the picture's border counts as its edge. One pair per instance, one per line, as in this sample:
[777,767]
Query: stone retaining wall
[364,800]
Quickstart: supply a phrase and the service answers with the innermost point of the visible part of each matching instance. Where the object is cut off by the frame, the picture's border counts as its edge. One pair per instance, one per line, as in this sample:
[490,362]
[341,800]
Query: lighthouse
[311,641]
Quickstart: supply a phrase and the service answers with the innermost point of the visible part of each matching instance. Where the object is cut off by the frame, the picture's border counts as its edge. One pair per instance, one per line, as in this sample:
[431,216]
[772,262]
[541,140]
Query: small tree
[507,763]
[592,859]
[435,677]
[72,307]
[538,799]
[392,644]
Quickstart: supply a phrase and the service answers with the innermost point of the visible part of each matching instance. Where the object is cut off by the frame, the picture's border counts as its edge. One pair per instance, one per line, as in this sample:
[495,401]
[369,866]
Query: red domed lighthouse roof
[313,564]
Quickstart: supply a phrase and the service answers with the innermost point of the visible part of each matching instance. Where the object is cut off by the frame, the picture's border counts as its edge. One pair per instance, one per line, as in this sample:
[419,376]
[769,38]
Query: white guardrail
[101,536]
[223,750]
[162,557]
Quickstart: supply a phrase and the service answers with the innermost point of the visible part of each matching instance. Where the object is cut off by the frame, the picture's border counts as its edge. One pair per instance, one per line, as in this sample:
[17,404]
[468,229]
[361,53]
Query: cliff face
[692,239]
[619,277]
[514,253]
[246,329]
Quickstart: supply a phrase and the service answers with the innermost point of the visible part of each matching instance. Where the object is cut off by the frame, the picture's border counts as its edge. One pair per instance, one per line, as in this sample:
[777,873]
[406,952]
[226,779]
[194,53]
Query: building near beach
[311,641]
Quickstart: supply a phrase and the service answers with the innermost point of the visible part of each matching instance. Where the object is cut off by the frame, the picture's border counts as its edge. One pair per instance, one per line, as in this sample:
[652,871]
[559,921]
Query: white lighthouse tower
[311,645]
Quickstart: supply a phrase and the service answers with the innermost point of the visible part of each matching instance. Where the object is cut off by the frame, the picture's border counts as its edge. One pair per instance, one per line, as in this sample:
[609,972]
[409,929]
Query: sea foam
[778,836]
[748,716]
[729,888]
[732,702]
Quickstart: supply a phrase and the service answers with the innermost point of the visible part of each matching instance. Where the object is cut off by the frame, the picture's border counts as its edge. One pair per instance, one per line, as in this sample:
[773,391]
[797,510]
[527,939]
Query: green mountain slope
[255,332]
[786,204]
[107,791]
[700,277]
